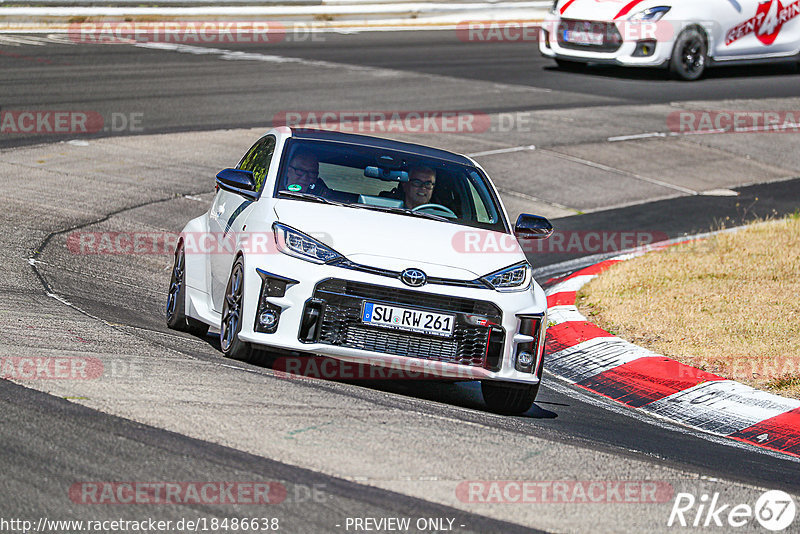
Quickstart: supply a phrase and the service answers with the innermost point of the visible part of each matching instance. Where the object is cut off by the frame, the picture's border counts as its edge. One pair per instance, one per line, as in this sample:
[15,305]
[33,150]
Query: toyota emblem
[413,277]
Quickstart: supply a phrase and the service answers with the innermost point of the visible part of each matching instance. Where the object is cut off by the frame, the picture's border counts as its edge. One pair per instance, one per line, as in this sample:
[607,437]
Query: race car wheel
[231,324]
[176,299]
[508,399]
[690,55]
[566,64]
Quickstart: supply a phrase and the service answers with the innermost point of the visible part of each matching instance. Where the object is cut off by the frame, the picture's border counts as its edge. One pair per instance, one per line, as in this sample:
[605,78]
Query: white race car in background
[309,247]
[684,35]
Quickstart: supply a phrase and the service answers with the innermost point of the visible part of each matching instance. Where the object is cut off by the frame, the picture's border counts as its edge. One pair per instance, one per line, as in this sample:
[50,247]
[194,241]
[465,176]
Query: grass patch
[729,305]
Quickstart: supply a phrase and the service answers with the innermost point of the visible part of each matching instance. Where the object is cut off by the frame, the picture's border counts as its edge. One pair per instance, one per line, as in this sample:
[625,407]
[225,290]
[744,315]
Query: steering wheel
[436,209]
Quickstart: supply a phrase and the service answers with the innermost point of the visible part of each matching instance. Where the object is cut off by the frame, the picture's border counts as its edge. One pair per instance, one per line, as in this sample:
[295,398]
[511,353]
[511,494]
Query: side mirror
[532,227]
[238,181]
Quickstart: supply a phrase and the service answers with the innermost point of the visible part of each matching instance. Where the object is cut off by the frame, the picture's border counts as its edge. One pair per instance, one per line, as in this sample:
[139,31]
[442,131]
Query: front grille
[339,303]
[401,344]
[611,41]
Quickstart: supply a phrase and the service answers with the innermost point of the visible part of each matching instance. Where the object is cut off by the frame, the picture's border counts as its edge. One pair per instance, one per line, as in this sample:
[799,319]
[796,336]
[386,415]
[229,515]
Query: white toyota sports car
[366,250]
[684,35]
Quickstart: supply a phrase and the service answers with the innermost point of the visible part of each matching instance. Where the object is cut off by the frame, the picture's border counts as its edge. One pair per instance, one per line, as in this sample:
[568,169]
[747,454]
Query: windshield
[387,180]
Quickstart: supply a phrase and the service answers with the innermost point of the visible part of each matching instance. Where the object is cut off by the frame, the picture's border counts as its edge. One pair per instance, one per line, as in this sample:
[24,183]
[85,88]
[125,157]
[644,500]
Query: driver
[303,174]
[419,188]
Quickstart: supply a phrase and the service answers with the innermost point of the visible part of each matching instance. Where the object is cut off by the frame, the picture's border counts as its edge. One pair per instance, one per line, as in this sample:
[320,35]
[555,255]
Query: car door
[759,28]
[227,215]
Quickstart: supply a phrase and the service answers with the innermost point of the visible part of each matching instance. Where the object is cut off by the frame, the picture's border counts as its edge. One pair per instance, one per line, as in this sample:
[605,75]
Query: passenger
[419,188]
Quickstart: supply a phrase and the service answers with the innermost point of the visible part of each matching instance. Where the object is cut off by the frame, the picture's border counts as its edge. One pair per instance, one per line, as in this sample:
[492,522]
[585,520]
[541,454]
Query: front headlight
[514,278]
[650,15]
[300,245]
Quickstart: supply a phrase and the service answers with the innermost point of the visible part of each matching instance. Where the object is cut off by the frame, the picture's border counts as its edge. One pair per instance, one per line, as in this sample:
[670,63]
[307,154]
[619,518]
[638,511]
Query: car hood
[397,242]
[602,10]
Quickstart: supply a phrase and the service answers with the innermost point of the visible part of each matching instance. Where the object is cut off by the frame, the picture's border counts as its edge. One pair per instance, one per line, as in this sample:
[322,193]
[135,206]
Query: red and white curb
[591,358]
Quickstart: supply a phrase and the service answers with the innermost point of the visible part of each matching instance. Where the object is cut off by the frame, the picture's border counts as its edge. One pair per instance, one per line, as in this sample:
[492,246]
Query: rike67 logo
[767,22]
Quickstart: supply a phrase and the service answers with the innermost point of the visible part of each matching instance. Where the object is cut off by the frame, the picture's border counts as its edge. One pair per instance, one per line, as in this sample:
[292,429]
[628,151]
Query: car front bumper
[628,54]
[491,327]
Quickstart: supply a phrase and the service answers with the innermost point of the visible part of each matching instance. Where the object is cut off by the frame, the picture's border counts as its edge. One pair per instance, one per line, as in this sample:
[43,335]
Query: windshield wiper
[425,215]
[308,196]
[402,211]
[388,209]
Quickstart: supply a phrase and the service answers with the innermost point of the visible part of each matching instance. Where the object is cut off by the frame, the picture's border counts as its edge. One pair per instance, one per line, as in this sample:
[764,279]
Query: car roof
[377,142]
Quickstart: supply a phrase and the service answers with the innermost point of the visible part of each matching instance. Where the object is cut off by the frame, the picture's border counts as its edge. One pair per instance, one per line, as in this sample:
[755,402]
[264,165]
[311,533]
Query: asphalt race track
[592,150]
[185,90]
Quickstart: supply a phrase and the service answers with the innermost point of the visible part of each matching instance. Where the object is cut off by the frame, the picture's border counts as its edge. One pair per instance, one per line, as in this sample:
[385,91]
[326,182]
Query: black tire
[690,55]
[231,323]
[176,299]
[569,65]
[508,399]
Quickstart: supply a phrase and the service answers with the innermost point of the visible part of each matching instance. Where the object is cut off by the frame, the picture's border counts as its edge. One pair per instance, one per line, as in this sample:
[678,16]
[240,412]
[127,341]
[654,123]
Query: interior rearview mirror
[387,175]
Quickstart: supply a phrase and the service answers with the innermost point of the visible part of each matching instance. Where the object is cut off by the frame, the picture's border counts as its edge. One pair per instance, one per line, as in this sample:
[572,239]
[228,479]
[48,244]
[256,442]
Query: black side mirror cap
[237,181]
[532,227]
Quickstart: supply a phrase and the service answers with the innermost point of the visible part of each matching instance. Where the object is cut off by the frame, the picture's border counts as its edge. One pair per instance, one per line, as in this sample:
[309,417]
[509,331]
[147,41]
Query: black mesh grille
[612,39]
[341,323]
[400,344]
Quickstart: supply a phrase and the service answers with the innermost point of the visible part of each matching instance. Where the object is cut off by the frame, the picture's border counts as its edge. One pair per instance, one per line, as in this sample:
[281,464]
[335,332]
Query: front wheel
[690,55]
[231,324]
[176,299]
[508,399]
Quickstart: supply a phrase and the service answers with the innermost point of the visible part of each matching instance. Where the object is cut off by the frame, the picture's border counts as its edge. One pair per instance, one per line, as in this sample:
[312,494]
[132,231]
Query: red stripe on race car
[562,298]
[565,6]
[645,380]
[570,333]
[779,433]
[627,8]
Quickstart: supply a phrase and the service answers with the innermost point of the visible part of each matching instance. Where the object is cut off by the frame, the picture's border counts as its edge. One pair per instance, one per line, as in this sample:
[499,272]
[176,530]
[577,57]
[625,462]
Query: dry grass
[729,305]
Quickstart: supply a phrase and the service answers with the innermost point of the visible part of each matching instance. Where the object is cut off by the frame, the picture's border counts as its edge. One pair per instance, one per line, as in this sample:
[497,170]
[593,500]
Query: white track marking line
[33,40]
[636,136]
[18,40]
[502,151]
[606,168]
[531,198]
[6,41]
[235,55]
[511,192]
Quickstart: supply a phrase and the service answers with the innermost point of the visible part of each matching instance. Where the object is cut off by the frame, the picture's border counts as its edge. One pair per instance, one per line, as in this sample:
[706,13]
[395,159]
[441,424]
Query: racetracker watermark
[579,32]
[372,369]
[211,492]
[50,368]
[705,122]
[405,121]
[387,121]
[774,510]
[472,241]
[44,122]
[564,491]
[193,32]
[497,31]
[559,242]
[157,243]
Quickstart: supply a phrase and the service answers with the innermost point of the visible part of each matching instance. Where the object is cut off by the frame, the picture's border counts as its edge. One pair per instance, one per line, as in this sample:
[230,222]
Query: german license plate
[409,319]
[583,37]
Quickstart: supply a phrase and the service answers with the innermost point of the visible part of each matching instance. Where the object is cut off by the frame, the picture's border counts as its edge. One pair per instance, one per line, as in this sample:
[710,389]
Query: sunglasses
[303,172]
[420,184]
